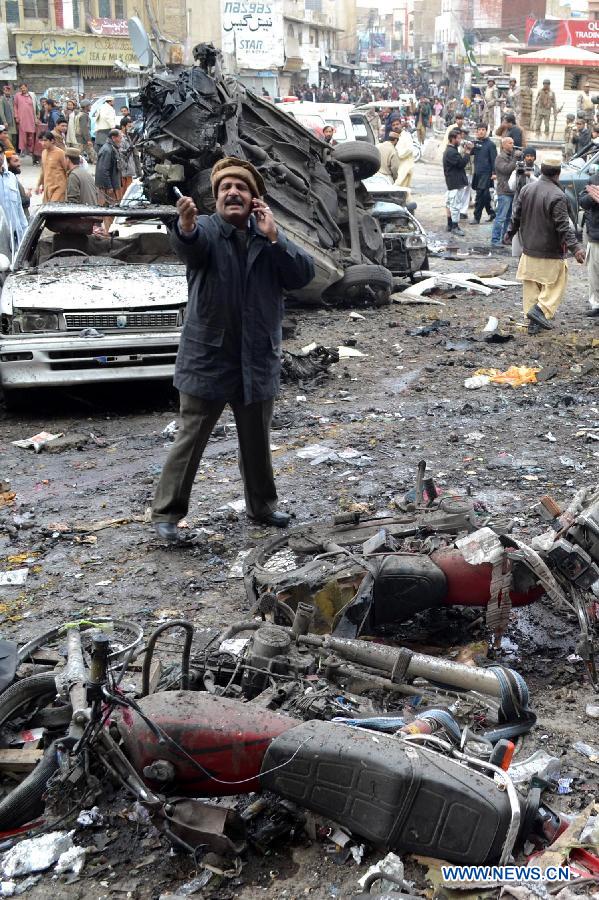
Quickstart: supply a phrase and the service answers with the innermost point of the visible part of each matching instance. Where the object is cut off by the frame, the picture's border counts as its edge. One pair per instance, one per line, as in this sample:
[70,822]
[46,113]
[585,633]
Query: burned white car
[77,307]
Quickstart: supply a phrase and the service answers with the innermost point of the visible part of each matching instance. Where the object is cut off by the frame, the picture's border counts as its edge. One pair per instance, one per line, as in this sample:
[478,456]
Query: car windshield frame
[37,224]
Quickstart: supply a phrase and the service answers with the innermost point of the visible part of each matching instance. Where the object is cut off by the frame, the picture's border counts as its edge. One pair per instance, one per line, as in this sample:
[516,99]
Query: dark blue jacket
[484,155]
[231,341]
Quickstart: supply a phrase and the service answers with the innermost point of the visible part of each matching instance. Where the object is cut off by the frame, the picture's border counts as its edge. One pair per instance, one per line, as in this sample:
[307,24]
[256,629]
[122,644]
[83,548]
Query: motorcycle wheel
[20,704]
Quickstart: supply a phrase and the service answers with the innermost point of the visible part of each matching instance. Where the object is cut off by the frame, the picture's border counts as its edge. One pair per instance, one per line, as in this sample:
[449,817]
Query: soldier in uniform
[585,108]
[545,105]
[514,101]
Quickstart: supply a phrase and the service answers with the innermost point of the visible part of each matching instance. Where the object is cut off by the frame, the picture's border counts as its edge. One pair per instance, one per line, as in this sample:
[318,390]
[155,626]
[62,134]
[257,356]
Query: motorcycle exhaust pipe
[389,659]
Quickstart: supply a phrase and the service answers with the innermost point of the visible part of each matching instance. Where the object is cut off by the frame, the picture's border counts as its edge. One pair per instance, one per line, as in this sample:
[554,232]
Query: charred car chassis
[199,116]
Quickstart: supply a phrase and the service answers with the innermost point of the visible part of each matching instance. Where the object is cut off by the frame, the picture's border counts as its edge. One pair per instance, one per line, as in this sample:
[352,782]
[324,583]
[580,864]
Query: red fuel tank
[228,739]
[469,585]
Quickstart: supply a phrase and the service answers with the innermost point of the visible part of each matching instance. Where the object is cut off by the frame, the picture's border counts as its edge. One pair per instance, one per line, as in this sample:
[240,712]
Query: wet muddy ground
[402,401]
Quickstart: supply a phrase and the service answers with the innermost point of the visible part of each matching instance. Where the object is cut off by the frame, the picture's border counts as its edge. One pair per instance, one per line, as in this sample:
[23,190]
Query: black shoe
[274,519]
[537,316]
[168,531]
[475,222]
[463,217]
[594,312]
[533,328]
[492,216]
[457,230]
[449,225]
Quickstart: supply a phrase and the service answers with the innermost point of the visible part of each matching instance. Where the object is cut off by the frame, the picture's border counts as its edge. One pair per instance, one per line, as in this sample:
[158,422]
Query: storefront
[71,63]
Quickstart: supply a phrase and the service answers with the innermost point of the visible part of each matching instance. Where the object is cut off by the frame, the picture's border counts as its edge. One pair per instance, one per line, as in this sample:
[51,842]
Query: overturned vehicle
[316,192]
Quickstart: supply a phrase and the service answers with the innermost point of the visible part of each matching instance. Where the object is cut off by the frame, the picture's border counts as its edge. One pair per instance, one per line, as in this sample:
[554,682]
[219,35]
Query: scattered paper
[38,440]
[236,570]
[349,352]
[13,577]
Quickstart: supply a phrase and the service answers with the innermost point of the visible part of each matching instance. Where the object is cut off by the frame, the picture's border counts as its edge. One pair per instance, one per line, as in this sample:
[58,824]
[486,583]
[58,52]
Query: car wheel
[364,158]
[362,284]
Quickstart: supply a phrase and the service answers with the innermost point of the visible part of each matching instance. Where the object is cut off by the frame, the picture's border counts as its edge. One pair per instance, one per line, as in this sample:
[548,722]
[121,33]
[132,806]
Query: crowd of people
[58,138]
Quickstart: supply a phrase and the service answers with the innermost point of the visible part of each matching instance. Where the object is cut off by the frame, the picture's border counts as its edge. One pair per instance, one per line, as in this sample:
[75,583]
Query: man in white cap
[105,121]
[540,214]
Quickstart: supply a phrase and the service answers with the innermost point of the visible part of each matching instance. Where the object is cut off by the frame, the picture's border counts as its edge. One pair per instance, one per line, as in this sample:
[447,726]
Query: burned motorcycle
[340,727]
[368,577]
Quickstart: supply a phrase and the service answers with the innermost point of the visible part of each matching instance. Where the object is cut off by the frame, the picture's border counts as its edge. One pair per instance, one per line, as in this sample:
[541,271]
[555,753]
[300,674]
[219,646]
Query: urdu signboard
[253,33]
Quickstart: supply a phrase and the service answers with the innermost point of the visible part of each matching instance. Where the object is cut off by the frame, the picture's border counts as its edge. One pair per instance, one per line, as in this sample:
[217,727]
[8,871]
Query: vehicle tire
[362,284]
[416,150]
[125,636]
[19,694]
[26,802]
[364,158]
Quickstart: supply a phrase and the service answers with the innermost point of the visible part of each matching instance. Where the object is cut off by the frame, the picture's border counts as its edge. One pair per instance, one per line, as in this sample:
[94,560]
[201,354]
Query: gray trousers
[198,418]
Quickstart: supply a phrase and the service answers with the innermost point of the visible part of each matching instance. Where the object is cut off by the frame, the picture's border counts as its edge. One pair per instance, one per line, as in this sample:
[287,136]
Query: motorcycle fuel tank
[225,741]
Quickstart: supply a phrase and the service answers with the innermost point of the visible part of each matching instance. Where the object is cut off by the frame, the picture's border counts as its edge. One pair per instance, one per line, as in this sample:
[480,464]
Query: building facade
[64,48]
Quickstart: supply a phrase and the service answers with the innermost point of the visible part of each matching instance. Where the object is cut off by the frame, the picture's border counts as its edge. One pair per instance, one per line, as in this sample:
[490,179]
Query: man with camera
[484,154]
[541,216]
[504,166]
[526,172]
[456,180]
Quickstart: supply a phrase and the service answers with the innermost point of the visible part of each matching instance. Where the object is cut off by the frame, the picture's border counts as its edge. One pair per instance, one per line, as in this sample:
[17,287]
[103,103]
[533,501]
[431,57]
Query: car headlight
[415,241]
[28,320]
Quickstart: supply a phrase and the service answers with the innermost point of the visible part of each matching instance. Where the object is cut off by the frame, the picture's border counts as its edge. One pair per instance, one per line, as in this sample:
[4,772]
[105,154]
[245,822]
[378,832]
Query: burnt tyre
[362,284]
[365,159]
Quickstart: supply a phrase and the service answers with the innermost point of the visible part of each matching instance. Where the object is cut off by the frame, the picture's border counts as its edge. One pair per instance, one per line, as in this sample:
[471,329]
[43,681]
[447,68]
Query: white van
[350,124]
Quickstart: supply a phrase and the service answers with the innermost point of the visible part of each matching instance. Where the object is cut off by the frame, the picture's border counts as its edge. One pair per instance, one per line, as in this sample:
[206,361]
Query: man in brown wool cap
[239,263]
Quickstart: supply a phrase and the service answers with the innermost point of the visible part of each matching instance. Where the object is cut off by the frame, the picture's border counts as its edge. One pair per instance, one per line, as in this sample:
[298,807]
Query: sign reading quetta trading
[253,33]
[559,32]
